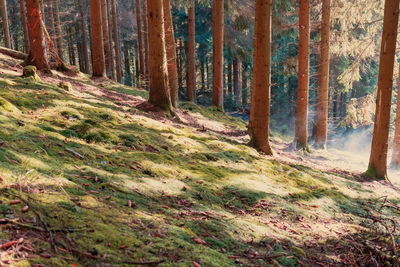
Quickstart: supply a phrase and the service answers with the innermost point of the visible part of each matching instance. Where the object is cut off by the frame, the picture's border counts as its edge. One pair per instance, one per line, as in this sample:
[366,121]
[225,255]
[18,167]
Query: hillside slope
[94,172]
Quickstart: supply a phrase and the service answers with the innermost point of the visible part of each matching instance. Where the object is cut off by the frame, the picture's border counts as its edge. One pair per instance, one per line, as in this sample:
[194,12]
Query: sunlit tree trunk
[24,25]
[98,61]
[171,53]
[6,30]
[218,52]
[37,54]
[321,121]
[396,138]
[191,53]
[301,133]
[259,130]
[146,45]
[116,40]
[159,90]
[378,159]
[84,39]
[58,29]
[139,41]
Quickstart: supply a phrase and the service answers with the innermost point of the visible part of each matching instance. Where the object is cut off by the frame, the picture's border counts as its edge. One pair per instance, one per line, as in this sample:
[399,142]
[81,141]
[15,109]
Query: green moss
[31,72]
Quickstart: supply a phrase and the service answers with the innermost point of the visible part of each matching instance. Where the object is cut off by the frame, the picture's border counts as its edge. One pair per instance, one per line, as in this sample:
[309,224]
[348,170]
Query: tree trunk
[98,61]
[236,68]
[146,45]
[140,42]
[259,130]
[84,39]
[71,50]
[110,41]
[396,138]
[106,43]
[378,159]
[191,54]
[116,41]
[171,53]
[24,25]
[218,52]
[128,79]
[301,133]
[321,121]
[51,21]
[6,29]
[159,91]
[58,29]
[179,63]
[37,55]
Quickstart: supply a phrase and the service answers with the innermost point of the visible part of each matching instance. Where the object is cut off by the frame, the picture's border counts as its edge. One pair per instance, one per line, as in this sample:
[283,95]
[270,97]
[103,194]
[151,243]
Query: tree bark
[116,41]
[85,54]
[98,61]
[140,42]
[146,45]
[51,23]
[6,29]
[159,91]
[236,91]
[37,55]
[110,41]
[218,52]
[58,29]
[378,158]
[244,87]
[106,43]
[396,138]
[301,132]
[128,79]
[191,53]
[171,53]
[321,121]
[24,25]
[259,130]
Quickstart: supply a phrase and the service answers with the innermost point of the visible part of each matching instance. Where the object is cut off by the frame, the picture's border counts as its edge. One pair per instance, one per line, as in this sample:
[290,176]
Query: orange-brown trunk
[84,39]
[159,90]
[171,53]
[260,107]
[396,138]
[218,52]
[378,158]
[116,40]
[6,29]
[321,122]
[301,133]
[97,39]
[24,25]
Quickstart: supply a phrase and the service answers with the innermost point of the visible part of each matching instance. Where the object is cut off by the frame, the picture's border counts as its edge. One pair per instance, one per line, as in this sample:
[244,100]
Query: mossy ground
[183,184]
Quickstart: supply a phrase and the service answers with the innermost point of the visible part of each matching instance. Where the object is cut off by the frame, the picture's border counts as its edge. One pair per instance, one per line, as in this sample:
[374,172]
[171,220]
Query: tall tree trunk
[218,52]
[171,53]
[259,130]
[116,41]
[321,121]
[301,133]
[146,45]
[140,42]
[110,41]
[58,29]
[159,91]
[106,43]
[236,69]
[230,83]
[127,64]
[396,138]
[244,87]
[179,62]
[37,54]
[24,25]
[6,29]
[71,49]
[51,21]
[84,39]
[191,53]
[378,159]
[98,61]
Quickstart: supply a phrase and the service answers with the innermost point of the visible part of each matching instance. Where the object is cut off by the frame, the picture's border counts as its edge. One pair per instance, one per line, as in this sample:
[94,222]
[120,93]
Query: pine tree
[301,133]
[396,138]
[218,52]
[116,41]
[378,159]
[98,61]
[260,107]
[140,41]
[159,90]
[58,29]
[84,38]
[171,53]
[321,122]
[24,25]
[191,53]
[6,30]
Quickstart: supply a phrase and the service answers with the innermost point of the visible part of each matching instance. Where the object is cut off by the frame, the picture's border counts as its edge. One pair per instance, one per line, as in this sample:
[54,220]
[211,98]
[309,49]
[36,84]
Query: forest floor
[92,175]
